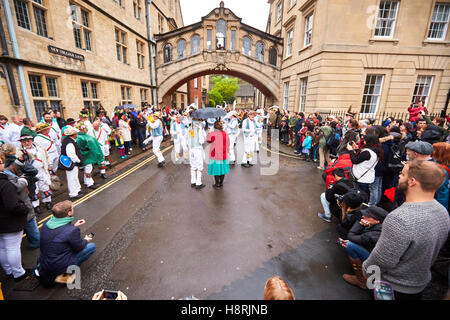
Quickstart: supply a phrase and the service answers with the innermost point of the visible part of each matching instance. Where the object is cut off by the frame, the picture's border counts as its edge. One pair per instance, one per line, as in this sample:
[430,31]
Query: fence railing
[379,117]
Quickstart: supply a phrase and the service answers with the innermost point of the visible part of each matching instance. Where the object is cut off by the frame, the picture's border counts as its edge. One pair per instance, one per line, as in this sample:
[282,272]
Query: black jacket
[339,188]
[368,236]
[13,212]
[344,227]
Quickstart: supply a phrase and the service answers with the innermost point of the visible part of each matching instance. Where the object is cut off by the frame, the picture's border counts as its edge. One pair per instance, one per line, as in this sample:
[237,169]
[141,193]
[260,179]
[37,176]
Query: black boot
[37,210]
[216,185]
[221,180]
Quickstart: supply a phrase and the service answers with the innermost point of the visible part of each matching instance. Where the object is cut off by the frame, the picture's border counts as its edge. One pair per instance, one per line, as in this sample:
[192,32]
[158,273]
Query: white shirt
[71,153]
[12,134]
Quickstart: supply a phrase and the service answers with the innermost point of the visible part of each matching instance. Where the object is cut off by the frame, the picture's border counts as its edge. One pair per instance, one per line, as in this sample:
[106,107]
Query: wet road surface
[157,238]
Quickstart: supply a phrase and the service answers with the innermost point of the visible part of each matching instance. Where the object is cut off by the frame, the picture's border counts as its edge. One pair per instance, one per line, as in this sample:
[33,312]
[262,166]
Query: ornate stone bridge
[219,44]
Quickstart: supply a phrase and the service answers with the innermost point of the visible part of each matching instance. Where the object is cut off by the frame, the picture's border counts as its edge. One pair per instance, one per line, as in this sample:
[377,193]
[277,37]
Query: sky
[252,12]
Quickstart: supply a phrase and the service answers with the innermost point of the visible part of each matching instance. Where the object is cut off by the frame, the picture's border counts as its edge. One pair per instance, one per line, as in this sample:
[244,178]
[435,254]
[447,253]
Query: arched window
[195,45]
[247,46]
[181,49]
[221,35]
[167,53]
[273,56]
[259,51]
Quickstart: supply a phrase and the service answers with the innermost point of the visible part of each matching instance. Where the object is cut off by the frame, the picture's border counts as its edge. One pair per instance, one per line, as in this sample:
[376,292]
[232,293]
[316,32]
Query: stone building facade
[373,55]
[76,53]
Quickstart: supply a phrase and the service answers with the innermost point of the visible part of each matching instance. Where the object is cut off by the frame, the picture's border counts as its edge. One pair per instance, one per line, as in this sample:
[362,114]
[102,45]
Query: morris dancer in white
[3,126]
[44,140]
[12,132]
[70,149]
[102,132]
[84,117]
[179,131]
[55,131]
[259,120]
[233,132]
[250,139]
[197,137]
[38,157]
[157,135]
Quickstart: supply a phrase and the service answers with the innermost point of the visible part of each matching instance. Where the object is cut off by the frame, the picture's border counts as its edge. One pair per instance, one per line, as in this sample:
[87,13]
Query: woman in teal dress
[218,154]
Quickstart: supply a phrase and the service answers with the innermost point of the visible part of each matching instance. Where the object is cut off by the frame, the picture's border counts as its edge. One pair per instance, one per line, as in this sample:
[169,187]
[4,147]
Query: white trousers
[156,150]
[249,148]
[73,183]
[10,255]
[233,138]
[42,186]
[179,144]
[54,160]
[88,181]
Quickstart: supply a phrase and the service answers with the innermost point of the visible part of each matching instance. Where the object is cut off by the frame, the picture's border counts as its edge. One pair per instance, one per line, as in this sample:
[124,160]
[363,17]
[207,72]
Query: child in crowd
[307,144]
[119,143]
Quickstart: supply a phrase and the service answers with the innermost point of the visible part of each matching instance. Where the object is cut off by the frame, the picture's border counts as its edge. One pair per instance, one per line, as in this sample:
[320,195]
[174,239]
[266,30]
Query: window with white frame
[439,21]
[36,22]
[303,87]
[279,11]
[290,36]
[372,93]
[247,46]
[422,89]
[387,15]
[81,28]
[308,29]
[286,96]
[259,51]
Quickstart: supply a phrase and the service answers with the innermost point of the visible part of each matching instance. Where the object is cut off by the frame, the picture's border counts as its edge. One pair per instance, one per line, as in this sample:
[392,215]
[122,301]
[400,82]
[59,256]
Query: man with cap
[179,133]
[39,158]
[69,123]
[197,137]
[70,149]
[55,131]
[157,135]
[44,140]
[421,150]
[91,152]
[250,139]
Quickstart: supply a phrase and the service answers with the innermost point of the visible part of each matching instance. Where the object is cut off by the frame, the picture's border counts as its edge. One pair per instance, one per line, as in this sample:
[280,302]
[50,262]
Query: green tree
[215,97]
[226,87]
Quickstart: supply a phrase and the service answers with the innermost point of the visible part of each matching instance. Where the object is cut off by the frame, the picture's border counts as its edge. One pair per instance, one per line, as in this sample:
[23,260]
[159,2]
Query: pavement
[159,239]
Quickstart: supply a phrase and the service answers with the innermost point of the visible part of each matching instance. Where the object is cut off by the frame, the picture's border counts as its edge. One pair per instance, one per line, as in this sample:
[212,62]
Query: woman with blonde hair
[277,289]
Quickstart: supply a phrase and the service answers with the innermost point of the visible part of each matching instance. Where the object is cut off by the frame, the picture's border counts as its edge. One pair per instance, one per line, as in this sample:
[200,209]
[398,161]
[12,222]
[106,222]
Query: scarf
[55,223]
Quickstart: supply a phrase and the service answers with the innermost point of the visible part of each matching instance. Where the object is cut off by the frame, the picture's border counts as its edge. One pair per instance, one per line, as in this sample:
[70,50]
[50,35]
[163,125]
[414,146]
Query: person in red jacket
[344,162]
[218,154]
[415,110]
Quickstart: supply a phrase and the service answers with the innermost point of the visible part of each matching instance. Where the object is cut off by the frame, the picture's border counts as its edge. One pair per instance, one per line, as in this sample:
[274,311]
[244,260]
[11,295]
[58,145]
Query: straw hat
[42,126]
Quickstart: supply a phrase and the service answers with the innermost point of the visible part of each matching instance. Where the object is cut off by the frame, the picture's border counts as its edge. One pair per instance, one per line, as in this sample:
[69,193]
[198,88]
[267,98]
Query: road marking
[107,185]
[281,154]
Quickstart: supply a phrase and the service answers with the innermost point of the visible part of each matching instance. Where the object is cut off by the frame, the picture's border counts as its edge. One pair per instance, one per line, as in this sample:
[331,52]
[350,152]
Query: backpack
[394,160]
[334,139]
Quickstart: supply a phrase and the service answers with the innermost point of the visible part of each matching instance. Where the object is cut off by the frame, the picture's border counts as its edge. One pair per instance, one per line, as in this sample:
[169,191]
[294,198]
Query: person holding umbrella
[218,154]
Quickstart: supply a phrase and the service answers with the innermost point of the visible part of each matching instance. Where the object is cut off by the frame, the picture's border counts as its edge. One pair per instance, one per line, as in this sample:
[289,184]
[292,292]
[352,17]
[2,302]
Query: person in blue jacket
[62,245]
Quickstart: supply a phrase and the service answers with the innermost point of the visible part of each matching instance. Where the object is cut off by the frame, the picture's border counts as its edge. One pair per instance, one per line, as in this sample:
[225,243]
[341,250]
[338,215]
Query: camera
[339,197]
[110,295]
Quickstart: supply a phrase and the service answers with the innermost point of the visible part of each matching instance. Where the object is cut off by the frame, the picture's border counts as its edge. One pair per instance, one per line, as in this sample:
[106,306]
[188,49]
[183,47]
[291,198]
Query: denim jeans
[33,235]
[375,191]
[356,251]
[297,143]
[325,205]
[85,254]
